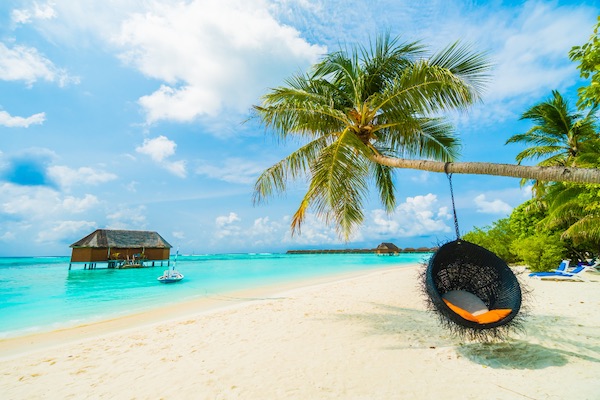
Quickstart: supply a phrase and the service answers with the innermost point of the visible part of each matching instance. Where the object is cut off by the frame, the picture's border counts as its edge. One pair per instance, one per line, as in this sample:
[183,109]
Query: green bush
[540,252]
[496,238]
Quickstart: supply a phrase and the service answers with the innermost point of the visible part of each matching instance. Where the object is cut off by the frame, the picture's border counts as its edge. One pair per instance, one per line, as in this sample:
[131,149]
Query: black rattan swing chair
[459,273]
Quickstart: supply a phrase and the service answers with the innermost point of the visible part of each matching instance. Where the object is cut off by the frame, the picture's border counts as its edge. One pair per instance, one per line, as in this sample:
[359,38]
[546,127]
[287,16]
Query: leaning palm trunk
[555,174]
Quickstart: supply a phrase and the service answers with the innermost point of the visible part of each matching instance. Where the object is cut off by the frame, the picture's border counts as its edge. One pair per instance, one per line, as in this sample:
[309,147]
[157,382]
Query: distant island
[383,248]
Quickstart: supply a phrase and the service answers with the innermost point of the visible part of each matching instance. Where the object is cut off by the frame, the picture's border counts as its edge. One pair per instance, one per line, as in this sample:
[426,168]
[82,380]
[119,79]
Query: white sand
[360,337]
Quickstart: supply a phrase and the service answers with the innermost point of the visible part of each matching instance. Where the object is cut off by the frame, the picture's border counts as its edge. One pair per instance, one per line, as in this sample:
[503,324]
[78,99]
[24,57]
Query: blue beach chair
[574,275]
[562,268]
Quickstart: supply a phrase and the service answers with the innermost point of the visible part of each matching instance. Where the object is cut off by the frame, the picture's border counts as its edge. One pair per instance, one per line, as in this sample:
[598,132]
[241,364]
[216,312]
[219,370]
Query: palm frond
[559,134]
[338,185]
[467,65]
[384,182]
[275,179]
[588,228]
[425,89]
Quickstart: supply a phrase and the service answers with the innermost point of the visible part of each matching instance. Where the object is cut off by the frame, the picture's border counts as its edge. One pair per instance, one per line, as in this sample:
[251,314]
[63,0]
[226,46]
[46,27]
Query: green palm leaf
[356,104]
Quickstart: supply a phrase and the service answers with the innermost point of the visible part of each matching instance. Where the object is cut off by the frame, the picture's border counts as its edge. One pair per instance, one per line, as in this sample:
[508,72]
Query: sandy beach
[364,336]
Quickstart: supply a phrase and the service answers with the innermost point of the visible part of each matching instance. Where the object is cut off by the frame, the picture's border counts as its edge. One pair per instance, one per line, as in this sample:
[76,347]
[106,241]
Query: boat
[171,275]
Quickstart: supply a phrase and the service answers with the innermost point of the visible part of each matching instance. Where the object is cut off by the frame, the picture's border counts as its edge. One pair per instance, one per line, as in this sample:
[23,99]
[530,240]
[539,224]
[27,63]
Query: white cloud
[227,226]
[178,235]
[64,230]
[233,170]
[176,168]
[127,218]
[21,122]
[76,205]
[264,227]
[68,177]
[529,46]
[533,49]
[226,220]
[132,186]
[315,232]
[8,236]
[158,148]
[22,63]
[35,202]
[36,12]
[39,202]
[491,207]
[264,231]
[180,104]
[161,148]
[418,216]
[212,55]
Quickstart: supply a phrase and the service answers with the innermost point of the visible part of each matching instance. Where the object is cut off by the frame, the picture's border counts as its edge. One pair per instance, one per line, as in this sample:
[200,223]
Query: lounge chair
[574,275]
[562,268]
[591,266]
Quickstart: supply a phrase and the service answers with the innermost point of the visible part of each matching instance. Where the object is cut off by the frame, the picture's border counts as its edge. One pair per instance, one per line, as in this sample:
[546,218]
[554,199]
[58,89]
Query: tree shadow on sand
[544,341]
[513,355]
[407,326]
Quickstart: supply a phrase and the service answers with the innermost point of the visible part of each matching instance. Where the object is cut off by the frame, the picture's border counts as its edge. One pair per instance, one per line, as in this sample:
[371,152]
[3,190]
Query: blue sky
[129,114]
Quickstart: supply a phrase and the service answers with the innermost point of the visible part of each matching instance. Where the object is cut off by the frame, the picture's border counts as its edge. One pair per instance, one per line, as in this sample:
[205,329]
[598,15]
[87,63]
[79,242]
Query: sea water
[40,293]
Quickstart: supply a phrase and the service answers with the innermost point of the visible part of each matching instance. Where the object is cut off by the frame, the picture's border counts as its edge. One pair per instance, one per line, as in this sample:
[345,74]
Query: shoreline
[367,335]
[15,346]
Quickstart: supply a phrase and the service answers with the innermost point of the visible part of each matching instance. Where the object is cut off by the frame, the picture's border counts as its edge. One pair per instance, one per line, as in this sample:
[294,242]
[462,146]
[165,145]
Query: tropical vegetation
[563,218]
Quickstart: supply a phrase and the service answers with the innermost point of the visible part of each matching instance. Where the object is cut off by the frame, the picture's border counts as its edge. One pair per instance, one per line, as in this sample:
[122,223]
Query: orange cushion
[485,318]
[493,315]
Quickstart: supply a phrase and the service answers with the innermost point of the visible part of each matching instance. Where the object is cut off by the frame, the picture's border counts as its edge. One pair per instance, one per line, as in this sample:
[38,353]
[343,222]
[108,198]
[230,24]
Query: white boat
[171,275]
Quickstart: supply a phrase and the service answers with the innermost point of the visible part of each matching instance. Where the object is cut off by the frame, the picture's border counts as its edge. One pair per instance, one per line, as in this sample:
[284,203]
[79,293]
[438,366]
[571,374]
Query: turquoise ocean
[40,294]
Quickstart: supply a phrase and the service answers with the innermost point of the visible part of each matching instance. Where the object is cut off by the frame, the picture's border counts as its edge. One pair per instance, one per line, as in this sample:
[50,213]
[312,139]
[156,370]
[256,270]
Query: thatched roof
[388,246]
[107,238]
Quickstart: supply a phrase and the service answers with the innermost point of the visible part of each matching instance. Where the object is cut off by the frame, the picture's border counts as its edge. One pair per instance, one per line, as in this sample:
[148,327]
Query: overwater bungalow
[387,248]
[121,249]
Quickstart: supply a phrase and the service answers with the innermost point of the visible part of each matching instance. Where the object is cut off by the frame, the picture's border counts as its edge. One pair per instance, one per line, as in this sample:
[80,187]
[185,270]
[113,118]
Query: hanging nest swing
[472,290]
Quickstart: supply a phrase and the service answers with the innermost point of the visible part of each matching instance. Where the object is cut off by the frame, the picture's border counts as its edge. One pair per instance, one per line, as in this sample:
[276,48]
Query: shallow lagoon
[41,293]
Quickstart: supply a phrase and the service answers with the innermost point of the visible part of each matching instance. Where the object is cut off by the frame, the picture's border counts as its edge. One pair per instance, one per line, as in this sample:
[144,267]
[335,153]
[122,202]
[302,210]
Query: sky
[134,114]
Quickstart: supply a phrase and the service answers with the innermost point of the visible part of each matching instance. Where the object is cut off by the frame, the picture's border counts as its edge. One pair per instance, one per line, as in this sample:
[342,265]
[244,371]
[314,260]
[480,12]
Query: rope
[449,175]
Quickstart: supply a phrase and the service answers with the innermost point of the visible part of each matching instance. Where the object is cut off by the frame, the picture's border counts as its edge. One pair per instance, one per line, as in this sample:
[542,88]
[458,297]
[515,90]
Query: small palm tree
[557,136]
[558,132]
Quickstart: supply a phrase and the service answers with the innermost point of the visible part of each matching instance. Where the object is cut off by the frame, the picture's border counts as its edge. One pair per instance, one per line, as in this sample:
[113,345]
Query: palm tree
[361,111]
[557,136]
[575,209]
[562,137]
[558,133]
